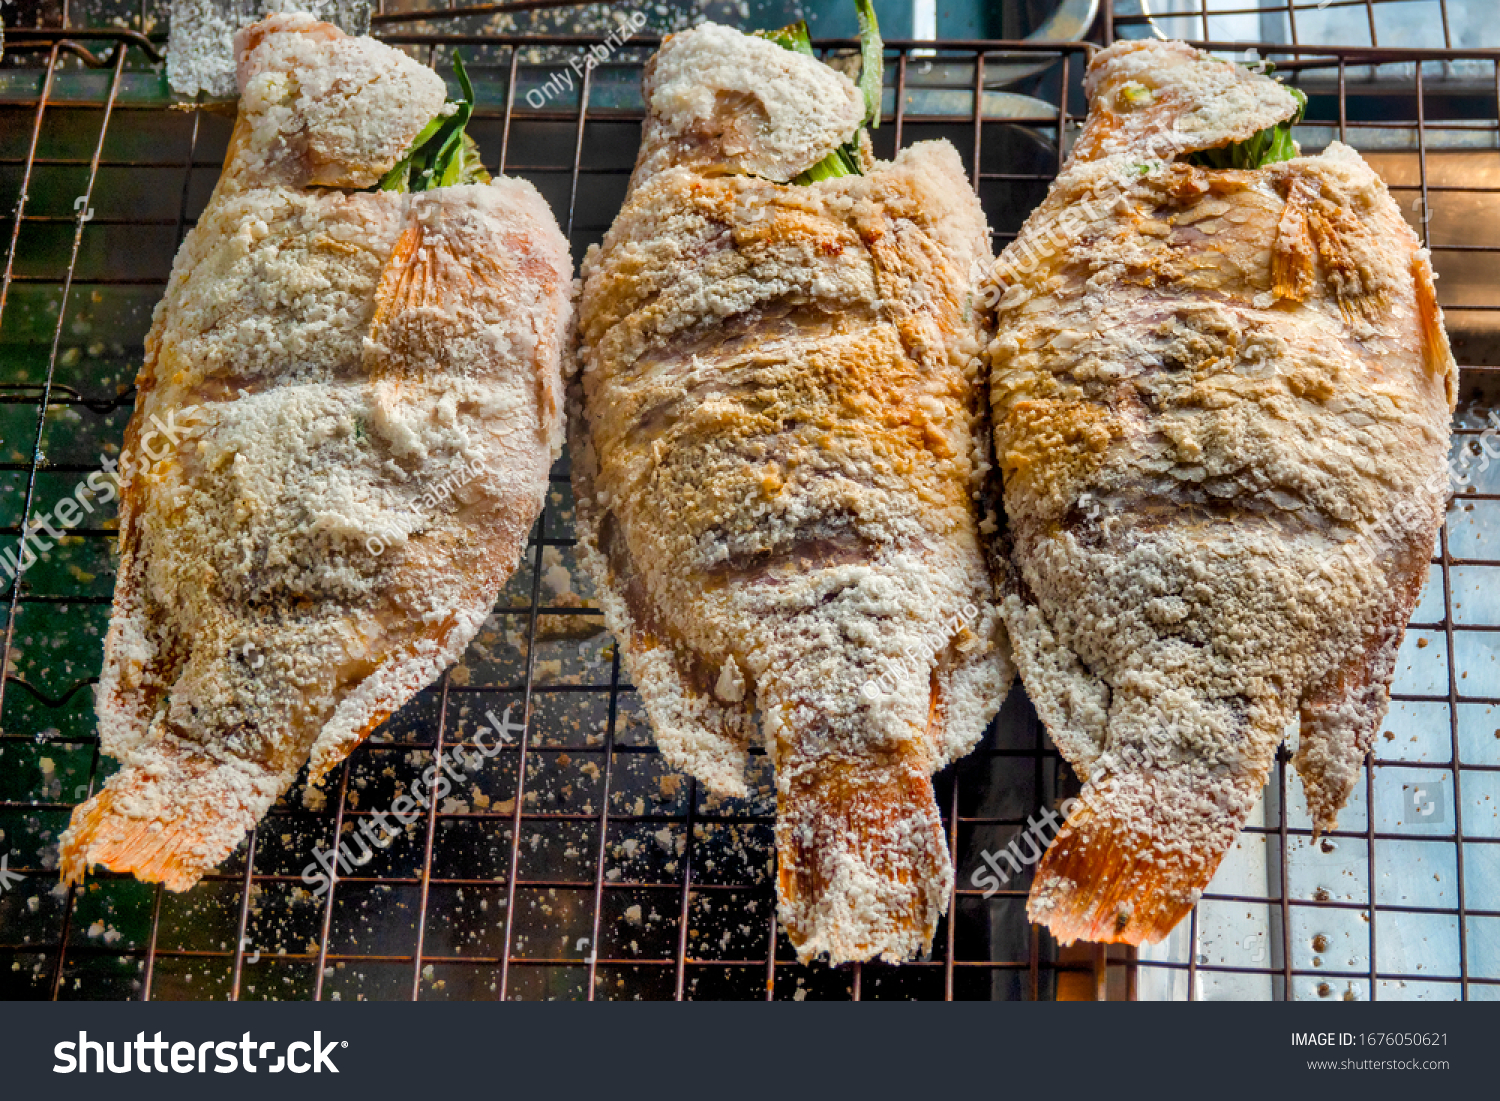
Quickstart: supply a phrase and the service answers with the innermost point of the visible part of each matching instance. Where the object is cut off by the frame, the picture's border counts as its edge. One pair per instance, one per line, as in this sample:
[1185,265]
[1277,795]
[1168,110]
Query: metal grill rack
[576,865]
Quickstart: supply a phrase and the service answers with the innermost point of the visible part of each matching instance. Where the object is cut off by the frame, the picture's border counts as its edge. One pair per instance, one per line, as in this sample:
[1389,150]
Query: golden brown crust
[374,381]
[776,459]
[1221,404]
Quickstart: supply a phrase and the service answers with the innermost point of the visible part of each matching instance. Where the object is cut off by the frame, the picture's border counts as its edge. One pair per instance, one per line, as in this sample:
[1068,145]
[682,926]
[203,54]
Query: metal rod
[58,43]
[521,762]
[601,853]
[425,887]
[385,19]
[333,884]
[243,922]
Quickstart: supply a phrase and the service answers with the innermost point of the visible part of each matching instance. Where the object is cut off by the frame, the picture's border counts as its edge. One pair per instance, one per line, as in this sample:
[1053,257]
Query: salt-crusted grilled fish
[776,459]
[1221,395]
[289,574]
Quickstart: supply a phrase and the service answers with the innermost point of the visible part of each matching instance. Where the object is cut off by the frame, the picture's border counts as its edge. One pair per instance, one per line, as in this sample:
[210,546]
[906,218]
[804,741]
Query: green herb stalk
[442,154]
[843,161]
[1269,146]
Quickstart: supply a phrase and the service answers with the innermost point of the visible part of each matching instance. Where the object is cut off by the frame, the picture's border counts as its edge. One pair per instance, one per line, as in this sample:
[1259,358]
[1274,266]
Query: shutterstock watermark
[451,767]
[1027,847]
[6,875]
[85,1056]
[1424,804]
[101,487]
[1366,543]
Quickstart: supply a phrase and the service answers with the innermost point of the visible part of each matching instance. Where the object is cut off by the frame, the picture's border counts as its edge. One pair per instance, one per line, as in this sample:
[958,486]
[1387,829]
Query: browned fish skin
[287,579]
[1221,409]
[776,459]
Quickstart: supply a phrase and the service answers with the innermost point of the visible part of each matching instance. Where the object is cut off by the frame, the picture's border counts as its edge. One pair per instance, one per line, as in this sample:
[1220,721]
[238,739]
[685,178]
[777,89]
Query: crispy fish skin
[1221,408]
[378,386]
[778,447]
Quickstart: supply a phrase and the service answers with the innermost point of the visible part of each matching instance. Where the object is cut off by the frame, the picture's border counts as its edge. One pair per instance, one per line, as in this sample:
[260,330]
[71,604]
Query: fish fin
[1338,721]
[1131,860]
[405,281]
[695,733]
[863,868]
[1340,714]
[1331,748]
[1346,271]
[1316,231]
[1067,695]
[376,685]
[416,317]
[700,728]
[168,818]
[449,269]
[1292,256]
[1437,356]
[973,676]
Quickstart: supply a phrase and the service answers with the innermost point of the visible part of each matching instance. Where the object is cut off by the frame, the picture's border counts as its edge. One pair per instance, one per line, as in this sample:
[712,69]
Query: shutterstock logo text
[160,1056]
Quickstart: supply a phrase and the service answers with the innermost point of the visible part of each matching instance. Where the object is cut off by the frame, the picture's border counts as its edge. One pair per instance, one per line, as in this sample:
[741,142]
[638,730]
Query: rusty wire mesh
[576,864]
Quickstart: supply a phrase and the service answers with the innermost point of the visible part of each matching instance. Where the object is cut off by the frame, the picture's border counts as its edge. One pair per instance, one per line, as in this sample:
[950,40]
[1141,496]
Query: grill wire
[576,864]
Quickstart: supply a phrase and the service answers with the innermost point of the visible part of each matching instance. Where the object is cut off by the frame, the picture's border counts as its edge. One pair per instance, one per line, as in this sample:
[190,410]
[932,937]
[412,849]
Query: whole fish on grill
[777,453]
[370,348]
[1221,394]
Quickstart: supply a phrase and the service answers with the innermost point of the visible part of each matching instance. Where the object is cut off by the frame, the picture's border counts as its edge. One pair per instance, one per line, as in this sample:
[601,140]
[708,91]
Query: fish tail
[167,819]
[863,866]
[1132,859]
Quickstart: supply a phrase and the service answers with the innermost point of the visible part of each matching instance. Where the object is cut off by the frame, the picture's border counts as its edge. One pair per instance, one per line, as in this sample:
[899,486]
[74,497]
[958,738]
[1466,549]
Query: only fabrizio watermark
[562,80]
[383,537]
[918,655]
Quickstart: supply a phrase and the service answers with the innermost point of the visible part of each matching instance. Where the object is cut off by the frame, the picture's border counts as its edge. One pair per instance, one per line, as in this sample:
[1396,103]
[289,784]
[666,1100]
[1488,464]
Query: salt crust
[776,450]
[347,351]
[1142,91]
[200,48]
[723,102]
[1221,411]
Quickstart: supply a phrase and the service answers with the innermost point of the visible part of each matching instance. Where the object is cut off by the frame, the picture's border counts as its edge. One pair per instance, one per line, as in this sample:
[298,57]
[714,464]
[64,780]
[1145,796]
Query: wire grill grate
[575,864]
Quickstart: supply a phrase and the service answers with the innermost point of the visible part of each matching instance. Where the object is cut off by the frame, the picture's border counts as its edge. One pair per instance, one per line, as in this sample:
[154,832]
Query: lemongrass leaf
[871,61]
[440,154]
[1269,146]
[845,160]
[792,37]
